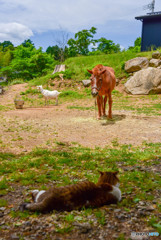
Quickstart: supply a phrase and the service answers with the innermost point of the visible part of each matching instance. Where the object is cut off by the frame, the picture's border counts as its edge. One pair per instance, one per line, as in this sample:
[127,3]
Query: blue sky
[46,22]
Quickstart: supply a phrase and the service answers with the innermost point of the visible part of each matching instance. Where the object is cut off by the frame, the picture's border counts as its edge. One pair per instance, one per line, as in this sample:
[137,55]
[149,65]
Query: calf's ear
[90,71]
[103,71]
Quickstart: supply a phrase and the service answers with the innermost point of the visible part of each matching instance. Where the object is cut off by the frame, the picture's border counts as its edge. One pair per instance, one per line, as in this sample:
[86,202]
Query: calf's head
[96,81]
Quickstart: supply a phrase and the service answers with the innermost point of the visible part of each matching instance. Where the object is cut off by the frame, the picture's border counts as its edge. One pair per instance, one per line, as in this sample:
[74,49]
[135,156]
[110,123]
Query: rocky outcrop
[136,64]
[144,82]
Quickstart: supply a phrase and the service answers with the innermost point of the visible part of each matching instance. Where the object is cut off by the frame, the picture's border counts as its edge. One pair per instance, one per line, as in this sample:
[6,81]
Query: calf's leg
[110,106]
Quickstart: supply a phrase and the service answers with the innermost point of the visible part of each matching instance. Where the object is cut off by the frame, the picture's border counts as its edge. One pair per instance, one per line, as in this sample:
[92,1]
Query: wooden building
[151,31]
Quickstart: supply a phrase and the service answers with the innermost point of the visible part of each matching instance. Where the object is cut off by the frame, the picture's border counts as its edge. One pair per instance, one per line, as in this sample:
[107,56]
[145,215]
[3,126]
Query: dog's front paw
[23,206]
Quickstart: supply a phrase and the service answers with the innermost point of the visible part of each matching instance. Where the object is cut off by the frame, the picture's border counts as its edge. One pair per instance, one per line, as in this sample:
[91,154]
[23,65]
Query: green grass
[68,165]
[79,65]
[3,203]
[41,165]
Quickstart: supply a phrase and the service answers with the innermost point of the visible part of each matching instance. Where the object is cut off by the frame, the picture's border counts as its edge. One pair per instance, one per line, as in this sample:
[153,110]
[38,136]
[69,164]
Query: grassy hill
[77,66]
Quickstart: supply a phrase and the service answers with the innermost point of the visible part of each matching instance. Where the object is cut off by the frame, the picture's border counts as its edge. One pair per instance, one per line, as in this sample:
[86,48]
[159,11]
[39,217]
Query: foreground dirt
[23,130]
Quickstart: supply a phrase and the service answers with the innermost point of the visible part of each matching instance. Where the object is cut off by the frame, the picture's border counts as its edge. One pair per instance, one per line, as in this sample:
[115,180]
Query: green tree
[28,43]
[5,56]
[108,46]
[81,43]
[27,63]
[58,53]
[137,42]
[6,45]
[137,45]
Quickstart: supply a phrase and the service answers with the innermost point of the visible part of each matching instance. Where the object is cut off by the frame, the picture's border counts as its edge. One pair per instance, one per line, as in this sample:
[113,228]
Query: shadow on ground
[115,118]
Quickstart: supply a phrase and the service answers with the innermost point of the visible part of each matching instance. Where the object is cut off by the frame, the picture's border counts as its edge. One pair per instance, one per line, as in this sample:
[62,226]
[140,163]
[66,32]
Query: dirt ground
[21,130]
[24,129]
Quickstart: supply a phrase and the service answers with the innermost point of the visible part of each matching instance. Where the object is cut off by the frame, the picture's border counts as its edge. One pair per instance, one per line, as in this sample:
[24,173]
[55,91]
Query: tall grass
[79,65]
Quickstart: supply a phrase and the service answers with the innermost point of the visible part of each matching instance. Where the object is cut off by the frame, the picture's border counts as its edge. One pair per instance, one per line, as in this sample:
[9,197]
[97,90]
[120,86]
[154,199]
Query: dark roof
[155,15]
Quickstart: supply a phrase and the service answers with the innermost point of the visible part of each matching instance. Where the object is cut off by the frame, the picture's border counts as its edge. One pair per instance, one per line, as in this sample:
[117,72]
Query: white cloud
[14,32]
[40,15]
[113,17]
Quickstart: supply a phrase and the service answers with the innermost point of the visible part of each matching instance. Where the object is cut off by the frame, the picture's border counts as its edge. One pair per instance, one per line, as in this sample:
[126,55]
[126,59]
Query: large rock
[156,55]
[154,62]
[144,81]
[136,64]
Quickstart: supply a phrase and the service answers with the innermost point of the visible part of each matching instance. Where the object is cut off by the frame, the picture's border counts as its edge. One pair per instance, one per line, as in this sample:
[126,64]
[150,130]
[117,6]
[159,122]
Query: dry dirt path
[23,130]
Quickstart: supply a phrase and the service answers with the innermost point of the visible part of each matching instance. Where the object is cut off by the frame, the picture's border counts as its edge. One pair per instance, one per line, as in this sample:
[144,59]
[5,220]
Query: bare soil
[24,129]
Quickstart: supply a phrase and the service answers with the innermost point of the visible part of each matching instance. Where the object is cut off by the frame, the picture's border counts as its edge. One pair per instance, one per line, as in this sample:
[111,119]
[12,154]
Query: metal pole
[153,4]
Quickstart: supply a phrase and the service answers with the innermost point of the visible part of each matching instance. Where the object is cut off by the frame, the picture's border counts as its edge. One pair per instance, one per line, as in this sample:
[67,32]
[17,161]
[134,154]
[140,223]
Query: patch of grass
[100,215]
[80,108]
[64,228]
[17,81]
[154,109]
[4,108]
[154,222]
[3,202]
[3,184]
[70,164]
[69,94]
[30,91]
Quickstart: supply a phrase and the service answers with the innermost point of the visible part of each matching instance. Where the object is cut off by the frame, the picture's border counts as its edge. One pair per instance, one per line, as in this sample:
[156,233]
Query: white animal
[49,94]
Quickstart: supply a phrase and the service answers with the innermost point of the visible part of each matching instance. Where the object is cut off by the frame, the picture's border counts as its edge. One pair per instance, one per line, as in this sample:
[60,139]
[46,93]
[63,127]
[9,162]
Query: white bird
[49,94]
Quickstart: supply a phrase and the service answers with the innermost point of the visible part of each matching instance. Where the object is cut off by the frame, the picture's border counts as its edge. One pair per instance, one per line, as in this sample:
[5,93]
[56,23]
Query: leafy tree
[137,42]
[80,45]
[28,43]
[137,45]
[5,56]
[27,63]
[108,46]
[6,45]
[58,53]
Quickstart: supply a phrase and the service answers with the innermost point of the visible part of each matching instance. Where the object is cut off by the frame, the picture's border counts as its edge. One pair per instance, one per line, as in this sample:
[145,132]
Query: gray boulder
[136,64]
[86,83]
[144,82]
[154,62]
[156,55]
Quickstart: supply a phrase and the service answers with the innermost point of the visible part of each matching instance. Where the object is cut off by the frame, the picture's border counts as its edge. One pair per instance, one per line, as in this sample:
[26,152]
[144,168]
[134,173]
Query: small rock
[84,227]
[150,208]
[2,208]
[141,203]
[1,214]
[14,236]
[120,217]
[117,210]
